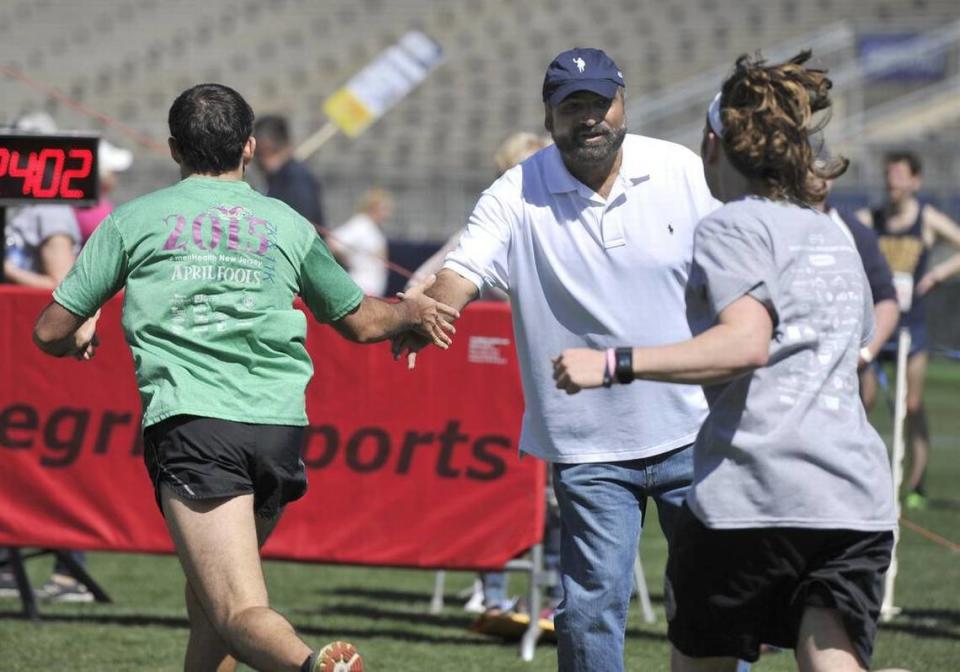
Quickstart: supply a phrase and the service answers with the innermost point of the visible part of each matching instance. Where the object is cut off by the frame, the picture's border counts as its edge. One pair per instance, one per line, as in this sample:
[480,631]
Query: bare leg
[919,437]
[682,663]
[217,544]
[823,644]
[868,387]
[206,651]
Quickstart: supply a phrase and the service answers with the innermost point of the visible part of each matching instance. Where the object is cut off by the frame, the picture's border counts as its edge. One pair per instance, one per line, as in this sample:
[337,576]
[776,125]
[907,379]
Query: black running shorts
[729,591]
[207,458]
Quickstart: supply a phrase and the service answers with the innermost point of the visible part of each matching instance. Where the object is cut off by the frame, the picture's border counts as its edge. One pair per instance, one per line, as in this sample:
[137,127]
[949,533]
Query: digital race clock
[60,168]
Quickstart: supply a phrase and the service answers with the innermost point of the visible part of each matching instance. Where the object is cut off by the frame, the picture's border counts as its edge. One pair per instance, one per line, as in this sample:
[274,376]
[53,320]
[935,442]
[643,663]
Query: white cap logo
[580,63]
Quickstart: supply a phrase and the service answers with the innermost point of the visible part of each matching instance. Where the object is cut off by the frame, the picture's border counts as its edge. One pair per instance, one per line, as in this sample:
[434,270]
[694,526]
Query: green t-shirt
[211,270]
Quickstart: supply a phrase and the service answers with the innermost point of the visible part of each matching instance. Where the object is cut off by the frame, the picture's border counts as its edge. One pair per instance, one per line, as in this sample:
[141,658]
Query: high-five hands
[409,343]
[433,322]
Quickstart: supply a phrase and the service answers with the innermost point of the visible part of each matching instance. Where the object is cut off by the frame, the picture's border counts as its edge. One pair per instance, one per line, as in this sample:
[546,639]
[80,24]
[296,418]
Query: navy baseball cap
[581,70]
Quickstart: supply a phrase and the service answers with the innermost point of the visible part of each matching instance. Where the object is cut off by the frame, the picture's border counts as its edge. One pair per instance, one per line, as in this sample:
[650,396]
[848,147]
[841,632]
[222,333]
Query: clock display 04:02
[48,168]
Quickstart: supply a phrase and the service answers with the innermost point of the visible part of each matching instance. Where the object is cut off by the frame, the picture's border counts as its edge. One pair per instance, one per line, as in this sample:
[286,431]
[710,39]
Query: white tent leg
[887,609]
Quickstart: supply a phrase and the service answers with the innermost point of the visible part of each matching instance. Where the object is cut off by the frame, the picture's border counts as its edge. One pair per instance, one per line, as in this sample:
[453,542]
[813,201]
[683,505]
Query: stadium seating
[129,58]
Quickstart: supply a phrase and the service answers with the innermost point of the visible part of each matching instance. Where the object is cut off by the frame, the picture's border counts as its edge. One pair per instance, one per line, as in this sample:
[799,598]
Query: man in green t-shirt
[211,269]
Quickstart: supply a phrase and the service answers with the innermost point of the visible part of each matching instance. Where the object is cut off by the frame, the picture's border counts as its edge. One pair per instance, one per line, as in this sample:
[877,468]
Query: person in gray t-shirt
[788,526]
[42,243]
[796,426]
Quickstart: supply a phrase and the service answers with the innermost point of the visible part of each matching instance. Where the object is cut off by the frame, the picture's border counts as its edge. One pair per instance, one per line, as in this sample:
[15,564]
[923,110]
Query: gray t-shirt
[28,228]
[788,445]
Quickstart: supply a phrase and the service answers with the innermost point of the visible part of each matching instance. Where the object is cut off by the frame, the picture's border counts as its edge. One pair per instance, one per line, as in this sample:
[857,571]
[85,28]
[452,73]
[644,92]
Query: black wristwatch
[624,370]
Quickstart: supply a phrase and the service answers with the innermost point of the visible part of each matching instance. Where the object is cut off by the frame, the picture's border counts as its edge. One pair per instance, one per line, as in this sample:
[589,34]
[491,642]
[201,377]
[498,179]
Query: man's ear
[174,152]
[249,149]
[547,118]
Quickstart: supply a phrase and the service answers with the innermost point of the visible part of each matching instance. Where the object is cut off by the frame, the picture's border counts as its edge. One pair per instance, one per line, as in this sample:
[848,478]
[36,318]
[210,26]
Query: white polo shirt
[584,271]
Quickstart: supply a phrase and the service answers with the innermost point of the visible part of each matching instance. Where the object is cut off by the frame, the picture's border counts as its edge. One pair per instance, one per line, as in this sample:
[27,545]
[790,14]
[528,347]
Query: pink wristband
[612,362]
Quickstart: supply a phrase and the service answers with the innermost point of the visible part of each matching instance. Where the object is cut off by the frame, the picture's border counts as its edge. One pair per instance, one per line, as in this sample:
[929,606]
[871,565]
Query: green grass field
[385,611]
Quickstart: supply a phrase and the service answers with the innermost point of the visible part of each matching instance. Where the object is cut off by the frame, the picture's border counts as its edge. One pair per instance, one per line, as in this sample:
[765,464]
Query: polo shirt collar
[635,167]
[558,178]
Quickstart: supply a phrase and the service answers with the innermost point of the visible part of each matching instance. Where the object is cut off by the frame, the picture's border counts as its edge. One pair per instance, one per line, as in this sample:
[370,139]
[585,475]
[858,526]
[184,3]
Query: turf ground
[385,611]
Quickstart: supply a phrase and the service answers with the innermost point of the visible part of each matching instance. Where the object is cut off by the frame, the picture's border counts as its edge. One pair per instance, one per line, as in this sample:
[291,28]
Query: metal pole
[307,148]
[27,597]
[436,601]
[528,645]
[888,610]
[643,593]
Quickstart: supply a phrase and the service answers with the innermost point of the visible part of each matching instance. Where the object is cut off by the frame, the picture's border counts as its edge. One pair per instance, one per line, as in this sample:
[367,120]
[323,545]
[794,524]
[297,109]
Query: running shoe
[8,585]
[915,501]
[338,657]
[59,588]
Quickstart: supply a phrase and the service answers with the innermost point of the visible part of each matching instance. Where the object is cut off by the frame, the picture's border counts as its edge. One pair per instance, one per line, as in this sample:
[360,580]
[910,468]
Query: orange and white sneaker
[338,657]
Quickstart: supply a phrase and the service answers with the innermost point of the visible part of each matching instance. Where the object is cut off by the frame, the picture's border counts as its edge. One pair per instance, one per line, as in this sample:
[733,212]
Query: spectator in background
[360,244]
[908,228]
[42,240]
[42,244]
[110,161]
[288,179]
[517,148]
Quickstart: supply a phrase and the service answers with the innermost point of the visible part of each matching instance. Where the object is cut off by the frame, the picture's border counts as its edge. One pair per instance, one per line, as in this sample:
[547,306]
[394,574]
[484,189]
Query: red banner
[410,468]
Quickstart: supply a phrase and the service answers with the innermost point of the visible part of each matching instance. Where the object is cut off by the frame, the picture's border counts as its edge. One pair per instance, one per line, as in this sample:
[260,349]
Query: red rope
[57,94]
[931,536]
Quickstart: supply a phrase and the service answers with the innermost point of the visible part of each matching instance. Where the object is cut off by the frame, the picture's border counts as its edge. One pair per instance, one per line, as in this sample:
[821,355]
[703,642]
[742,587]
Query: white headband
[713,116]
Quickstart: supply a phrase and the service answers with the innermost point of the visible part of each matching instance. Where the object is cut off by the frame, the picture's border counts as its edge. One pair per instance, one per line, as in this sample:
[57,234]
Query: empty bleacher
[129,58]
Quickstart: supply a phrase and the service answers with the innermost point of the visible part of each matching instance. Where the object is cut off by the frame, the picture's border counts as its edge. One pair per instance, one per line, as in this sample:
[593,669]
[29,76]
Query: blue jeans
[495,583]
[60,567]
[494,590]
[602,508]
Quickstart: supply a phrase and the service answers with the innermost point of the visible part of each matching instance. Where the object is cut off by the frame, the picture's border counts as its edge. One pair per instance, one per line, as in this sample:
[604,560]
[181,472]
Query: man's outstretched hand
[431,319]
[410,344]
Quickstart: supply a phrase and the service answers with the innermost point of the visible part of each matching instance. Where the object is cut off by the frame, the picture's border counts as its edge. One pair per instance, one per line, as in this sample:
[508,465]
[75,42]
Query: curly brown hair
[767,113]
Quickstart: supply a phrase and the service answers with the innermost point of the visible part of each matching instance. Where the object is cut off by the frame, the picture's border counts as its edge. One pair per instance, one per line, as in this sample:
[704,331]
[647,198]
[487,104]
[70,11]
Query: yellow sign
[383,83]
[348,113]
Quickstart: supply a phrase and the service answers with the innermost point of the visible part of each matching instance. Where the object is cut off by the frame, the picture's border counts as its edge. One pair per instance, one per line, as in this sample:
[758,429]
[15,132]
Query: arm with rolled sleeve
[482,255]
[480,259]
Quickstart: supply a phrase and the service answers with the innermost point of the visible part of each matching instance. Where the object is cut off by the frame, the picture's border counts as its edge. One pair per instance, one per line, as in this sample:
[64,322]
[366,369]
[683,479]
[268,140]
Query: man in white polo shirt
[592,238]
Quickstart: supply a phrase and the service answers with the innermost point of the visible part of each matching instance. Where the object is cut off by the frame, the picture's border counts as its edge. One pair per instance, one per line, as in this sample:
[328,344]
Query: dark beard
[575,150]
